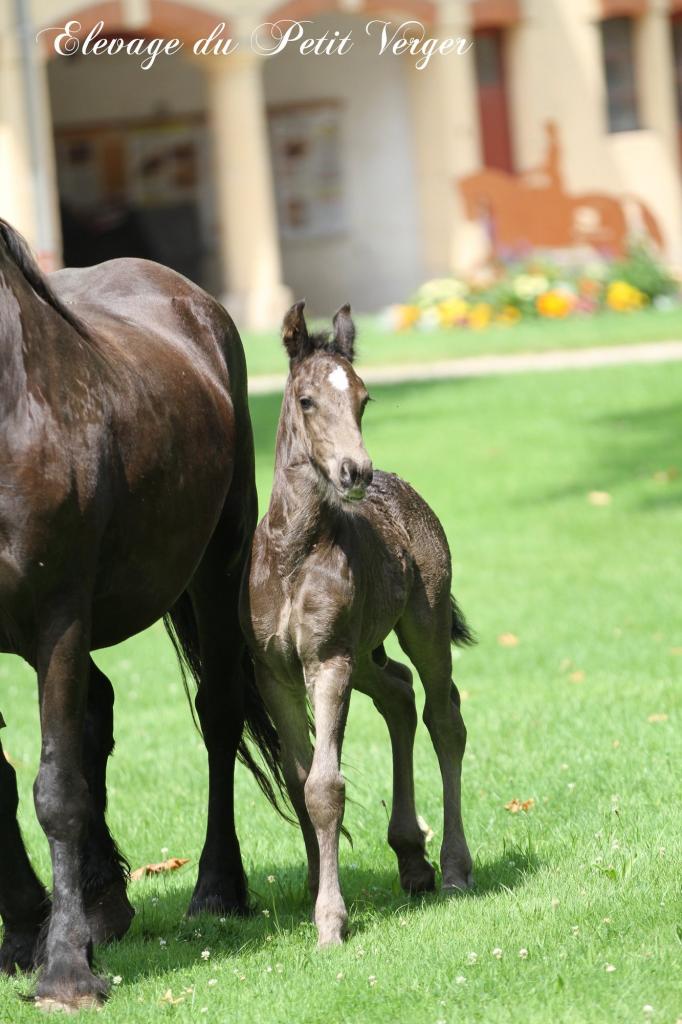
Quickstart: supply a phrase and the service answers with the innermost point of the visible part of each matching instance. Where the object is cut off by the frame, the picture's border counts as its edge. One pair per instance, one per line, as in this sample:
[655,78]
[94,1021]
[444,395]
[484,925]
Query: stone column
[247,220]
[28,184]
[447,145]
[655,75]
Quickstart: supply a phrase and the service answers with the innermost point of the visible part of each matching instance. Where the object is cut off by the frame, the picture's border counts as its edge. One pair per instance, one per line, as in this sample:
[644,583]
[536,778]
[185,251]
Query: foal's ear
[344,333]
[295,332]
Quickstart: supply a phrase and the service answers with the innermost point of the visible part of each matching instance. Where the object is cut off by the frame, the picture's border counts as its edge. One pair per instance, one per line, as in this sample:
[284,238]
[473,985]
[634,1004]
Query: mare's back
[134,303]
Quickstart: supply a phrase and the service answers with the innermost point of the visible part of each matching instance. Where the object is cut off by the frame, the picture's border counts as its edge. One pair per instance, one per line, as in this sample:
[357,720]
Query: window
[619,72]
[493,108]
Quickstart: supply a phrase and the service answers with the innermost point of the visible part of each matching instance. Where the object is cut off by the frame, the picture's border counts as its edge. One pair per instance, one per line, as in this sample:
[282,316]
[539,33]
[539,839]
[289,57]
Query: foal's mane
[20,254]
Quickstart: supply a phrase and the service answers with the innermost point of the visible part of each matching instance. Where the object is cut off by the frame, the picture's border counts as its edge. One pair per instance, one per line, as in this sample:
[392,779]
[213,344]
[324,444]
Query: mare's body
[126,491]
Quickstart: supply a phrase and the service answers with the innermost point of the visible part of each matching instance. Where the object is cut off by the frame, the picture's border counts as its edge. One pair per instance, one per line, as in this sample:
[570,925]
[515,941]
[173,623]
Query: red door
[493,109]
[677,45]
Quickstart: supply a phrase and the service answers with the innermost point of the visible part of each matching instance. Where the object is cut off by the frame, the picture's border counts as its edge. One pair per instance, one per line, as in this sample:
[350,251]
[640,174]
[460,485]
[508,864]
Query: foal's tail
[460,631]
[181,627]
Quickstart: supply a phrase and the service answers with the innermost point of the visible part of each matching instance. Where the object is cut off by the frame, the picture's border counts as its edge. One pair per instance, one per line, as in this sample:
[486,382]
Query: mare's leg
[330,683]
[104,870]
[286,704]
[424,635]
[24,904]
[390,687]
[62,803]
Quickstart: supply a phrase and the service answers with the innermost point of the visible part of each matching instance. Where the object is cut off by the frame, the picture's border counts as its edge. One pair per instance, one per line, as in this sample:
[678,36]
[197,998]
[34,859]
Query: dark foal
[126,490]
[344,556]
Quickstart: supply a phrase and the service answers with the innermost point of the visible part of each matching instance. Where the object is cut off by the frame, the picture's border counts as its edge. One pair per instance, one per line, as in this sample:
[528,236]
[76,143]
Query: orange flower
[554,304]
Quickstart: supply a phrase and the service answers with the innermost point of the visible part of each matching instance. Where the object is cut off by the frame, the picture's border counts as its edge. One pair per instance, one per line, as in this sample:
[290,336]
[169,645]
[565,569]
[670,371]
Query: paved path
[492,366]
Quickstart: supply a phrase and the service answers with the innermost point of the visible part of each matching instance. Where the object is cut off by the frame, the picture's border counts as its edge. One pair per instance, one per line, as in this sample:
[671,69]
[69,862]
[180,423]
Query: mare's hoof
[458,884]
[218,906]
[21,950]
[109,914]
[70,989]
[417,878]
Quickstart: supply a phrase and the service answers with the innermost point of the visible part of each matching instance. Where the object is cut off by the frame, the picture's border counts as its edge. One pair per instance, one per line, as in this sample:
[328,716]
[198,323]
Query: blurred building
[342,177]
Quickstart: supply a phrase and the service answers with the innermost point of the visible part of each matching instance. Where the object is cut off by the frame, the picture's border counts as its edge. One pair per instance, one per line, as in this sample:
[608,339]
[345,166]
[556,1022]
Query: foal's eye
[306,404]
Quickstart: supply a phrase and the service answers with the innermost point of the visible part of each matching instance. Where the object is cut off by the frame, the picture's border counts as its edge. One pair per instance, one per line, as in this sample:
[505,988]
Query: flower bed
[538,290]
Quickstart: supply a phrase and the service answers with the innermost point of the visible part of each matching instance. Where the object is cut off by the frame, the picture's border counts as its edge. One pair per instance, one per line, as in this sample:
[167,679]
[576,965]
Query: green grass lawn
[582,716]
[378,347]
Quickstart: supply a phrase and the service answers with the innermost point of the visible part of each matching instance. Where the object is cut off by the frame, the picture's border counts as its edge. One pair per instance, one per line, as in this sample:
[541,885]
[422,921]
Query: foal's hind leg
[103,869]
[24,904]
[390,687]
[424,635]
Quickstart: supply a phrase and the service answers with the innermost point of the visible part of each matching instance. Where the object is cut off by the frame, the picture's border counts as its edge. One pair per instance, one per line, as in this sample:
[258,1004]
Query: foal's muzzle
[355,478]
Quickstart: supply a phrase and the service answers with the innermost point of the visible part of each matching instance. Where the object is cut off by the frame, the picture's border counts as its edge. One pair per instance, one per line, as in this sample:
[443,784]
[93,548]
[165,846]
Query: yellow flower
[624,297]
[554,304]
[452,312]
[508,316]
[406,317]
[480,316]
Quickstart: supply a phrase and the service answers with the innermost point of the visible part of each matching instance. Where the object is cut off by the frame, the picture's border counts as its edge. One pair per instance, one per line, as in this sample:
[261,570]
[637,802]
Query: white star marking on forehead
[338,378]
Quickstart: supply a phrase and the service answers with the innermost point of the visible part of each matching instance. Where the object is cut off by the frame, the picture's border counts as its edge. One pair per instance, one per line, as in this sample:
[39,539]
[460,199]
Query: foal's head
[327,400]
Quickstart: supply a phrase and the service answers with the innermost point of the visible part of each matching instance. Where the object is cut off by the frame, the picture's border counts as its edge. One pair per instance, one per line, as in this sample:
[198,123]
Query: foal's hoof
[109,914]
[20,950]
[70,989]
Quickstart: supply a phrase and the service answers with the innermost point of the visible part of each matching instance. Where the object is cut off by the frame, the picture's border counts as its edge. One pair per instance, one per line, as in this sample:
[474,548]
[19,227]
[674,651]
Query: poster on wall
[305,141]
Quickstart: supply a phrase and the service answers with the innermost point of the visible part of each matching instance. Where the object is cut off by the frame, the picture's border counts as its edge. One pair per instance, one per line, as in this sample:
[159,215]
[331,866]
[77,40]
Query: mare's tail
[460,632]
[181,627]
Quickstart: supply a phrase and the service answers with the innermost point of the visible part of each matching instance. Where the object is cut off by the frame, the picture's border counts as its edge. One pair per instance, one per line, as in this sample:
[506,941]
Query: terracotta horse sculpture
[126,491]
[343,556]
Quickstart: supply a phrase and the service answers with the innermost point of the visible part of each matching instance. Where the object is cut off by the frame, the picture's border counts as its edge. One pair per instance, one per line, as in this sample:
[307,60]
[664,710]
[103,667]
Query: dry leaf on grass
[167,997]
[660,717]
[515,805]
[578,676]
[676,650]
[508,640]
[172,864]
[664,476]
[599,498]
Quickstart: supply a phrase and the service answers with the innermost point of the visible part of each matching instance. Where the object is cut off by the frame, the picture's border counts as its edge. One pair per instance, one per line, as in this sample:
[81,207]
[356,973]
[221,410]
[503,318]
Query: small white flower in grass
[271,879]
[497,953]
[460,979]
[222,920]
[523,953]
[164,851]
[372,980]
[205,954]
[212,982]
[472,958]
[609,968]
[575,929]
[162,942]
[268,969]
[266,913]
[647,1008]
[555,903]
[339,976]
[116,980]
[197,933]
[279,968]
[571,786]
[204,1009]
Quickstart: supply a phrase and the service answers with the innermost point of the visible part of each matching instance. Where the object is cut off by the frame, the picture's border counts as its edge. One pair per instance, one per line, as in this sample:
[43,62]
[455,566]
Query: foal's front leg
[63,805]
[330,686]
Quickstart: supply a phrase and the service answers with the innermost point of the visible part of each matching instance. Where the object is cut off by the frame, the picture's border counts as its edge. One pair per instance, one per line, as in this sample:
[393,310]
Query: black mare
[126,492]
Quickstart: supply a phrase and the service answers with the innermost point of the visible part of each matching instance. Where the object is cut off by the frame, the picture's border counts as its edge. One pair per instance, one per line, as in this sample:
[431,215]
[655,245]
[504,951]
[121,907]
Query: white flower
[497,953]
[529,286]
[162,942]
[212,982]
[460,979]
[609,968]
[372,980]
[523,953]
[339,976]
[472,958]
[271,879]
[116,980]
[647,1008]
[266,913]
[205,954]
